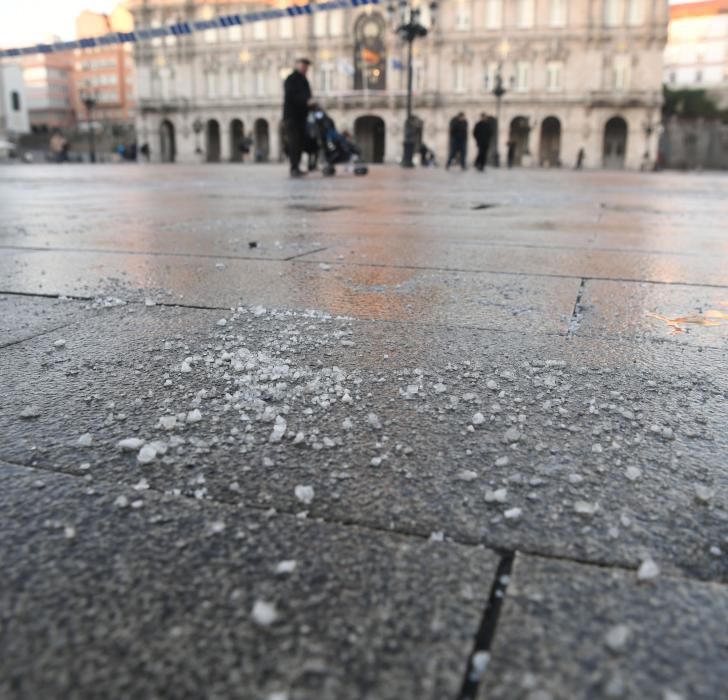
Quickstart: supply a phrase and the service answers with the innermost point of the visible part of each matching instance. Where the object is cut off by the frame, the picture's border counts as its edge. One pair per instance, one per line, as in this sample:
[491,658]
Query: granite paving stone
[603,462]
[117,591]
[574,632]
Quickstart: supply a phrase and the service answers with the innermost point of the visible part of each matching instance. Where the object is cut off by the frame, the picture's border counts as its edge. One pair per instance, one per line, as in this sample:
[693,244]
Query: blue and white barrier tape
[183,28]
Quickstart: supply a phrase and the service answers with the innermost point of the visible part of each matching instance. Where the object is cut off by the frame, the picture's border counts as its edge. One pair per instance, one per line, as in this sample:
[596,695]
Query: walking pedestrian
[482,135]
[458,140]
[580,159]
[297,98]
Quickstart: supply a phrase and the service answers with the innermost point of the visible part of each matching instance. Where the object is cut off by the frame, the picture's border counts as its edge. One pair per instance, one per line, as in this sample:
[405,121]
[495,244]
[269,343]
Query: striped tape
[184,28]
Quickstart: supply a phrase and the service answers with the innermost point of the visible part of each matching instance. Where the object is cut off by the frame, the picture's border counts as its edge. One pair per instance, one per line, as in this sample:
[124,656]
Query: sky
[36,19]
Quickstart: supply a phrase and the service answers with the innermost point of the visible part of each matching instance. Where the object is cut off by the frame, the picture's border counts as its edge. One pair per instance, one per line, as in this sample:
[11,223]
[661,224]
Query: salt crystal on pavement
[304,494]
[194,416]
[287,566]
[85,440]
[616,637]
[478,419]
[130,444]
[264,614]
[146,454]
[648,570]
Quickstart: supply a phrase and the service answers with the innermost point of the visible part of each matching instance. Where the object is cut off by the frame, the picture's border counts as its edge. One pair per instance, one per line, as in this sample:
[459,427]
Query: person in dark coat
[458,140]
[297,98]
[482,134]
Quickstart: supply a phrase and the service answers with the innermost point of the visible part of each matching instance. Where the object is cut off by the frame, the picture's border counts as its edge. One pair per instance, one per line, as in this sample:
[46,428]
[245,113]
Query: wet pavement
[420,434]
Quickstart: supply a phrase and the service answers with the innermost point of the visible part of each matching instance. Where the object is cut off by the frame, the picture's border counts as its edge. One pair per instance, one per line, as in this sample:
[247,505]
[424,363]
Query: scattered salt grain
[130,444]
[502,462]
[648,570]
[194,416]
[497,496]
[703,493]
[30,412]
[121,502]
[60,343]
[616,638]
[222,322]
[216,527]
[512,435]
[69,532]
[478,419]
[374,422]
[168,422]
[438,536]
[585,508]
[264,614]
[85,440]
[304,494]
[478,665]
[146,455]
[513,514]
[287,566]
[466,475]
[633,473]
[141,485]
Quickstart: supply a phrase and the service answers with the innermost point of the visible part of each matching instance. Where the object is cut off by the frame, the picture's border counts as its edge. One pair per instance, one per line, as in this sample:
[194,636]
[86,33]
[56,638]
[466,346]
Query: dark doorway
[262,141]
[518,140]
[212,141]
[167,145]
[369,135]
[549,155]
[237,137]
[615,143]
[493,145]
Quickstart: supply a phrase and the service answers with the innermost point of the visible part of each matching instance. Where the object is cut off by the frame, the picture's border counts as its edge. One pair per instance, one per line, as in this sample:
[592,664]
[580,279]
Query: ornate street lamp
[89,99]
[406,19]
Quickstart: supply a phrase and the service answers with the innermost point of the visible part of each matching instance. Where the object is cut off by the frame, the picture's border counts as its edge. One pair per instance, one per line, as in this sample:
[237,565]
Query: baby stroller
[335,146]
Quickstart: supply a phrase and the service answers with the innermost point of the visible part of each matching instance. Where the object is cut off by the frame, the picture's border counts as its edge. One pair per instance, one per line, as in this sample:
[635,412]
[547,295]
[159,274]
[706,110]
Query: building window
[235,83]
[524,13]
[259,83]
[491,71]
[634,13]
[336,23]
[235,33]
[459,77]
[418,77]
[211,85]
[325,75]
[554,71]
[557,13]
[285,27]
[620,72]
[462,15]
[15,97]
[319,24]
[612,12]
[523,76]
[493,14]
[260,31]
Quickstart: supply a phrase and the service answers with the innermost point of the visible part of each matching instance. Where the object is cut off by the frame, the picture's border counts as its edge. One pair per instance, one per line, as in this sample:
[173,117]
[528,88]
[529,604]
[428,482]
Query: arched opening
[518,141]
[615,143]
[167,145]
[549,155]
[237,141]
[369,135]
[212,141]
[262,141]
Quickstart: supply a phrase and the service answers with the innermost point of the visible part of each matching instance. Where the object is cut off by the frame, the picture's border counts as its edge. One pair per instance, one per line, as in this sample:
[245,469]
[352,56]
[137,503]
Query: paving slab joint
[479,657]
[576,312]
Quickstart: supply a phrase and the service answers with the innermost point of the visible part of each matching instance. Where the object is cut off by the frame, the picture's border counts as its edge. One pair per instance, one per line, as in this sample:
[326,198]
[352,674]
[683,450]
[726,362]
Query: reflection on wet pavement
[711,318]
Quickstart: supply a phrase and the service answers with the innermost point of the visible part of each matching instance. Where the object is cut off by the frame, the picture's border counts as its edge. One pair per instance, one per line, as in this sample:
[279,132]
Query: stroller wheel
[329,170]
[361,170]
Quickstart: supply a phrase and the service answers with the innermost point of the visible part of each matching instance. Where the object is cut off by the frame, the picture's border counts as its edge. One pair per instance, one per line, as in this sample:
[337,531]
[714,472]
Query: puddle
[710,319]
[319,207]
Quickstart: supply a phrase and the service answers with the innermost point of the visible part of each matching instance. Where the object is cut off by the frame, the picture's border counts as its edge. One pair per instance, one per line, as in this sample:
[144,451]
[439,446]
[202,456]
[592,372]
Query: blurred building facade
[14,119]
[696,55]
[578,74]
[106,72]
[48,82]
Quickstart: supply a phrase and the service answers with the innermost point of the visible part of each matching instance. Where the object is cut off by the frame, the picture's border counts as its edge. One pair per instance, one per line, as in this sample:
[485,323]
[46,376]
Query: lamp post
[88,97]
[498,92]
[197,127]
[408,29]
